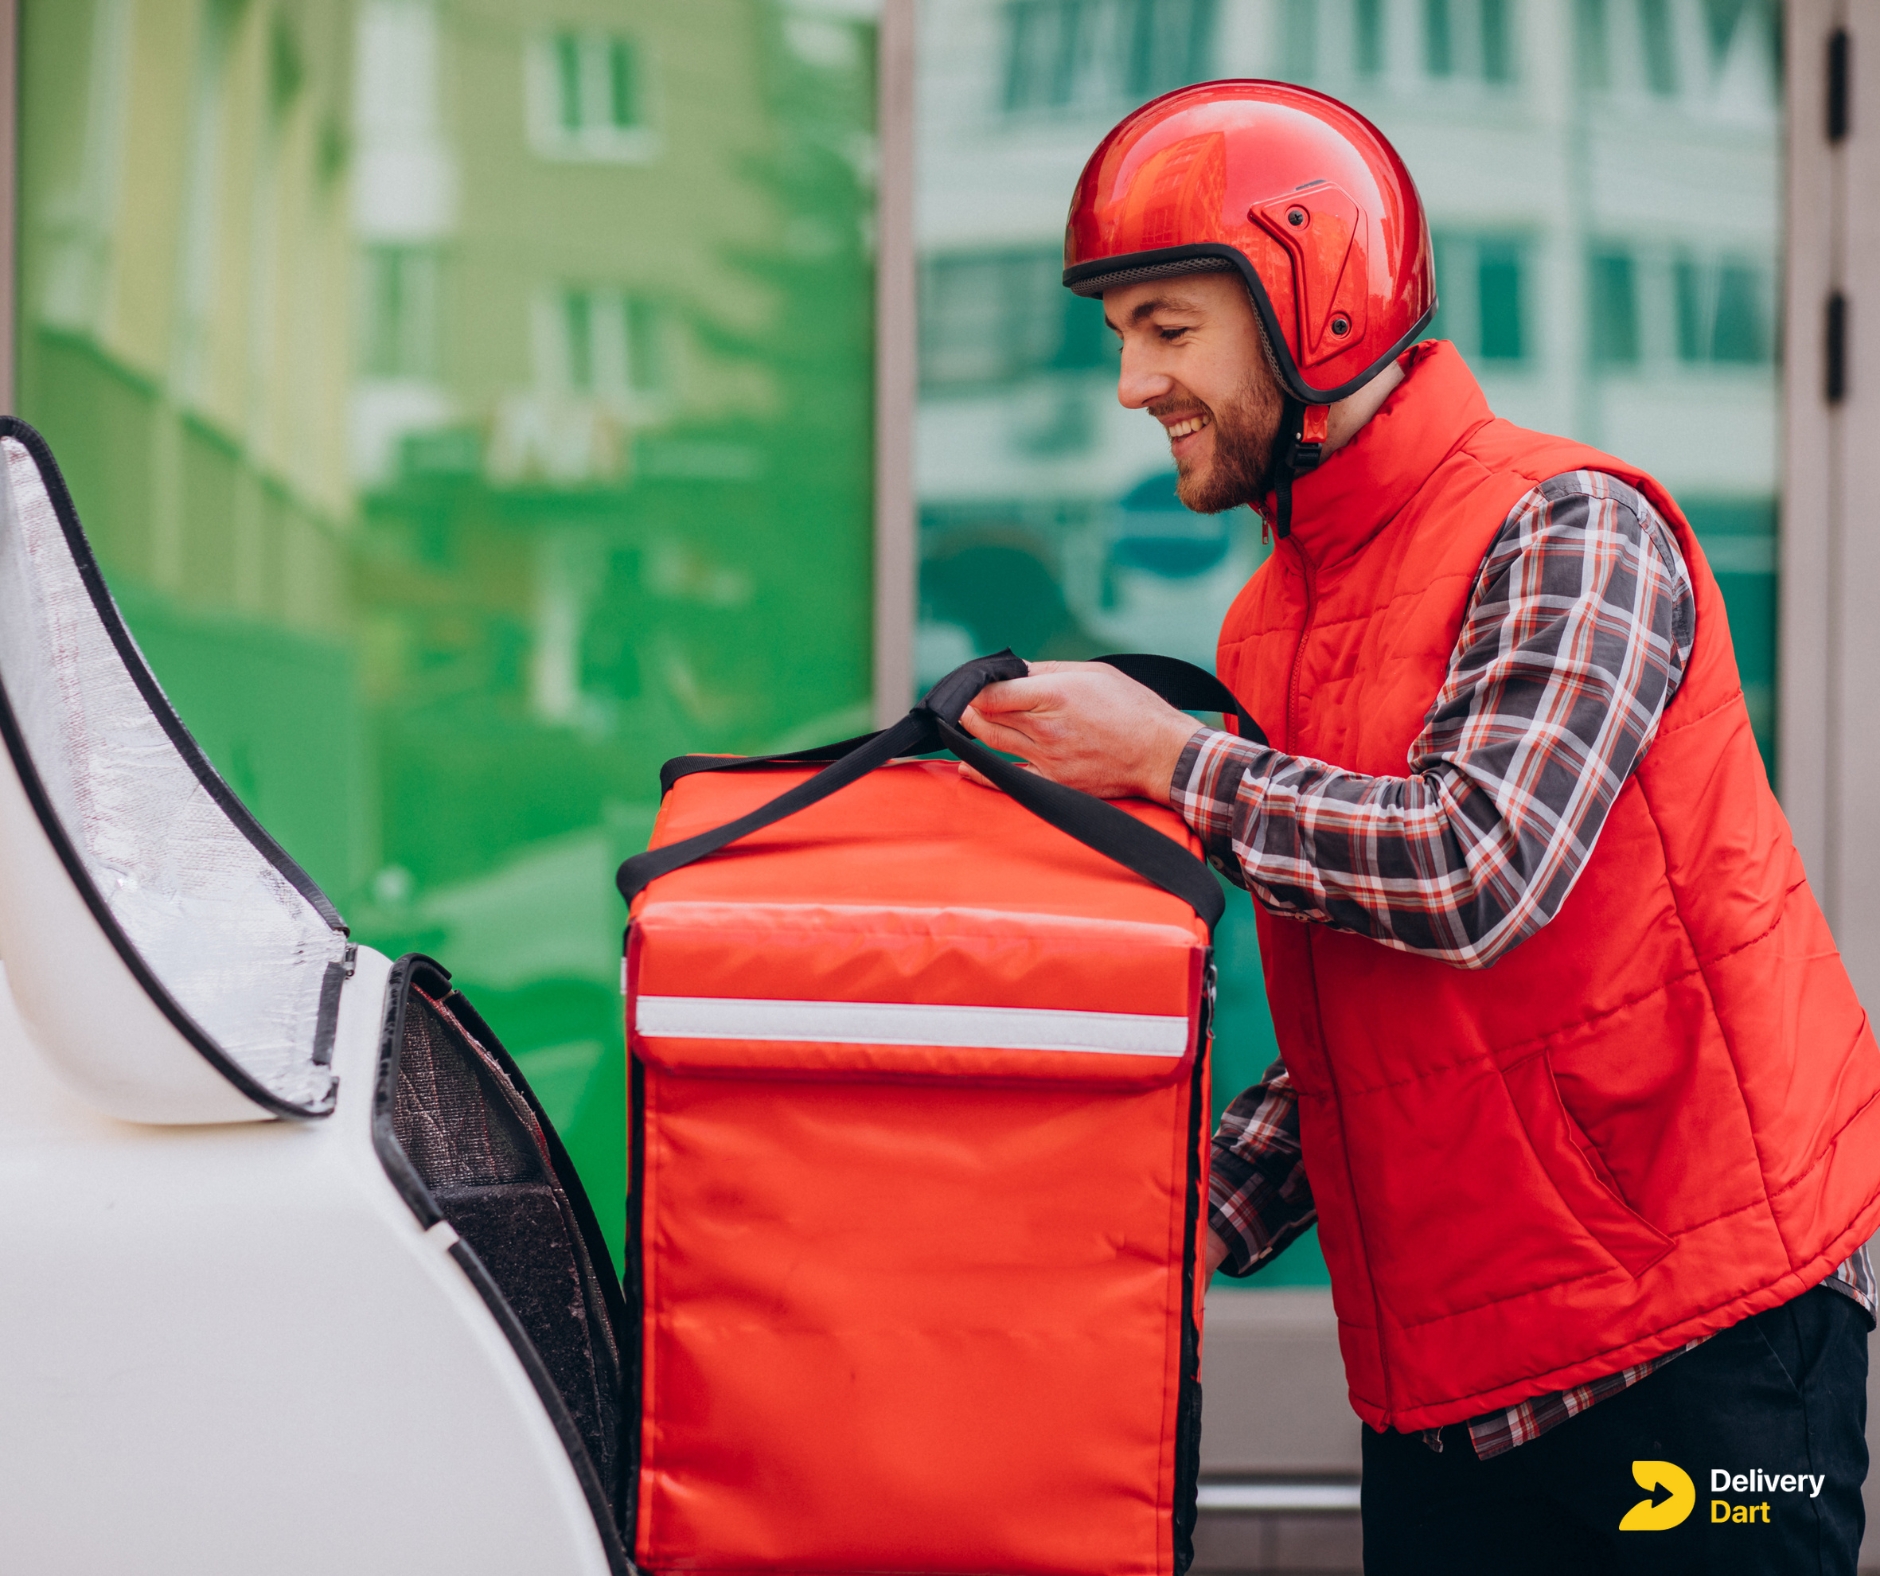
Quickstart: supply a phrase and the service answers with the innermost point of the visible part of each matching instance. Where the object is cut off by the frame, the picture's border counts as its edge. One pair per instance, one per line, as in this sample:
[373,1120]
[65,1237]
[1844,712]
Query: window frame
[590,141]
[1828,642]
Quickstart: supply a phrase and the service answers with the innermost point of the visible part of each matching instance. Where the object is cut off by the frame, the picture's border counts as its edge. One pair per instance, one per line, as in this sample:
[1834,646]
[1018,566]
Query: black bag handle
[933,725]
[1186,687]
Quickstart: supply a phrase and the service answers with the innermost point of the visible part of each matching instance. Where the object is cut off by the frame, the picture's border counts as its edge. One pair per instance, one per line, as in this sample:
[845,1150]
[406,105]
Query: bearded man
[1572,1077]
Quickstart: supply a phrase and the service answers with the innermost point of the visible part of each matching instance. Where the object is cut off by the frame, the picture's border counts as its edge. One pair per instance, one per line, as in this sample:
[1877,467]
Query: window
[1498,299]
[1482,284]
[1652,46]
[1613,308]
[588,98]
[1593,42]
[1097,54]
[399,312]
[611,345]
[994,317]
[1368,39]
[1467,38]
[415,597]
[1658,47]
[1302,39]
[1497,44]
[1439,45]
[1724,307]
[1725,22]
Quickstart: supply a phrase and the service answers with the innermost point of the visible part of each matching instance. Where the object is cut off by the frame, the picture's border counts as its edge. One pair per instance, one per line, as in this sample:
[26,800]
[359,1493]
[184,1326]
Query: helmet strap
[1302,429]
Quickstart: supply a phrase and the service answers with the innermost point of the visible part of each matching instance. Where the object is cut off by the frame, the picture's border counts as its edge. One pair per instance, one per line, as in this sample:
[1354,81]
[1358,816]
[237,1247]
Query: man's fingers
[995,735]
[1026,694]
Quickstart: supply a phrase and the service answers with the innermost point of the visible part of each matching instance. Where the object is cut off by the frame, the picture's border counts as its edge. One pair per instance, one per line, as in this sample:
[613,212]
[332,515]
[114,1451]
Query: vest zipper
[1299,651]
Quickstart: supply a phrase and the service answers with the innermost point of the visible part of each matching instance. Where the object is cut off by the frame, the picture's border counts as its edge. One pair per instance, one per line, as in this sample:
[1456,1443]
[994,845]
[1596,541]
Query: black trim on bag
[1185,1504]
[633,1380]
[411,1187]
[1290,375]
[179,1017]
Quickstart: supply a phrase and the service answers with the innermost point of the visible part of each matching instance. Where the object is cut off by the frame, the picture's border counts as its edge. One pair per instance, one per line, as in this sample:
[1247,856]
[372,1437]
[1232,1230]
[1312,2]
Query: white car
[294,1273]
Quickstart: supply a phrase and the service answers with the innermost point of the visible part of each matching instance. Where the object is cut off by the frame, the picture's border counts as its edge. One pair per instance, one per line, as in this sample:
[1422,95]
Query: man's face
[1192,358]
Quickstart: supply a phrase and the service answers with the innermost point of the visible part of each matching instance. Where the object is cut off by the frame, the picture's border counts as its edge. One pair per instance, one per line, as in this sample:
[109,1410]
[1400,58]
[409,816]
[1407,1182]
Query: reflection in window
[1469,38]
[1302,39]
[597,84]
[399,312]
[1368,38]
[1497,43]
[1593,41]
[1658,47]
[1649,47]
[1613,310]
[1498,267]
[994,317]
[611,344]
[1481,287]
[1077,54]
[432,577]
[1439,44]
[1723,311]
[588,97]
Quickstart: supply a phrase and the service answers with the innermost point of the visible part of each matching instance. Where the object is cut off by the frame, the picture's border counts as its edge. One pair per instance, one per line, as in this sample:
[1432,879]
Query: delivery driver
[1572,1076]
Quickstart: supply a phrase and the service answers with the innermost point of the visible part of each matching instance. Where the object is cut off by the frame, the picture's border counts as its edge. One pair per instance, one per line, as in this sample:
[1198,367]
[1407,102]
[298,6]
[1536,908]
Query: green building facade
[470,403]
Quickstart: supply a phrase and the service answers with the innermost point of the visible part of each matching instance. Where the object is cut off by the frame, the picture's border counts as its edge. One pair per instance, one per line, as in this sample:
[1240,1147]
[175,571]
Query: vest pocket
[1576,1170]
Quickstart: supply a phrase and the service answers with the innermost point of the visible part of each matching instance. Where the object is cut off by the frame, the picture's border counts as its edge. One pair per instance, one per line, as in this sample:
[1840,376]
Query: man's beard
[1246,440]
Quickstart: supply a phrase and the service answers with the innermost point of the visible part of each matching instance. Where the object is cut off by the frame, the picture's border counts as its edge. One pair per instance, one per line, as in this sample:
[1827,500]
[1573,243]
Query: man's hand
[1086,725]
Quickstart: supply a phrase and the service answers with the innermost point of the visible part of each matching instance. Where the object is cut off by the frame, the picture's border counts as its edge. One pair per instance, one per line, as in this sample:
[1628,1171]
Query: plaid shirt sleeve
[1573,643]
[1258,1197]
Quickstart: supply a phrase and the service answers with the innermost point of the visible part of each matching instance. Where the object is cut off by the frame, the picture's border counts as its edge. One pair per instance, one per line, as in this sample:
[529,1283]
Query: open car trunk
[174,968]
[472,1151]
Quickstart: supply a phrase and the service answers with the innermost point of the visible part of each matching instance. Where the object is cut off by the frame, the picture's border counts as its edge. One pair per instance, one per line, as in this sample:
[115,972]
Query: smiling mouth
[1178,430]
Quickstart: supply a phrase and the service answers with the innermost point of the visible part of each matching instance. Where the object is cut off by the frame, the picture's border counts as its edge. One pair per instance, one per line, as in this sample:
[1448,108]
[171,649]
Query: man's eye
[1170,335]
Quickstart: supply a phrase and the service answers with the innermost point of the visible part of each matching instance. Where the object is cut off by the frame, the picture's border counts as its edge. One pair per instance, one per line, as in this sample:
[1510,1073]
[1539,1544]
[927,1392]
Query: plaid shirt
[1572,645]
[1574,642]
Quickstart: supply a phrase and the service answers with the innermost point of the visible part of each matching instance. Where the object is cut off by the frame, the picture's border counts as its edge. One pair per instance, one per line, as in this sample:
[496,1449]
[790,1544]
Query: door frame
[1829,638]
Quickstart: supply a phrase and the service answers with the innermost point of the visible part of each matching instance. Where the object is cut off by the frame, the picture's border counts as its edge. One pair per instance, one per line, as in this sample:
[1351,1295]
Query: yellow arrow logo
[1660,1515]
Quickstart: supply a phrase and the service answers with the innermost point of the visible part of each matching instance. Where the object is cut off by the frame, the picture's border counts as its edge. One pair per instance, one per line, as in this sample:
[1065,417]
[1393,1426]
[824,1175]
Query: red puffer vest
[1651,1119]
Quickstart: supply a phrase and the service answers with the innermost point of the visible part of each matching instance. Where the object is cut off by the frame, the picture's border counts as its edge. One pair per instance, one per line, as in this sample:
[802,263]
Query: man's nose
[1139,383]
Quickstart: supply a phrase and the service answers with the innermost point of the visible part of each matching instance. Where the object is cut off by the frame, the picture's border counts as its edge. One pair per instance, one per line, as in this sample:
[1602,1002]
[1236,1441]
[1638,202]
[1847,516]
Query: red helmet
[1301,194]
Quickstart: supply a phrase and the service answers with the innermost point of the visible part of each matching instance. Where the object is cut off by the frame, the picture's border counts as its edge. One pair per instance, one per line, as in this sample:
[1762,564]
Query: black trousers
[1783,1395]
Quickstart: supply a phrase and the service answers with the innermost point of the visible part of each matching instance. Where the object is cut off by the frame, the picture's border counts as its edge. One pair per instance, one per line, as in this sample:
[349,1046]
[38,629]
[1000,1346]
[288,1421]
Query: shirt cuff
[1205,789]
[1184,776]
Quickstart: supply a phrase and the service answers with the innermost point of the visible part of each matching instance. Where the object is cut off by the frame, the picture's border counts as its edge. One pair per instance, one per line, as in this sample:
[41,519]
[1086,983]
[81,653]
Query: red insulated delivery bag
[919,1098]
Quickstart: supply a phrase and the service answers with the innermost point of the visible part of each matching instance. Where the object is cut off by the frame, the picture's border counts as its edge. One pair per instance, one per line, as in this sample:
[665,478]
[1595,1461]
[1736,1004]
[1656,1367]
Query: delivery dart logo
[1660,1515]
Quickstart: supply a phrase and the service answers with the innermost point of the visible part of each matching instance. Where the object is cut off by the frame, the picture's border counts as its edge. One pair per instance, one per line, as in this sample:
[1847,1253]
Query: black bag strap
[1186,687]
[933,725]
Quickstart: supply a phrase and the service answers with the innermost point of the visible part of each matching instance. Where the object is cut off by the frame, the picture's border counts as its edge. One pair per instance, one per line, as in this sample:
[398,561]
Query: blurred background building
[473,403]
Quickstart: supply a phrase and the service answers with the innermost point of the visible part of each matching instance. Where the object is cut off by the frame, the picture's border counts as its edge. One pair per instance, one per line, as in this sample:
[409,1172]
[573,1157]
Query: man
[1572,1077]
